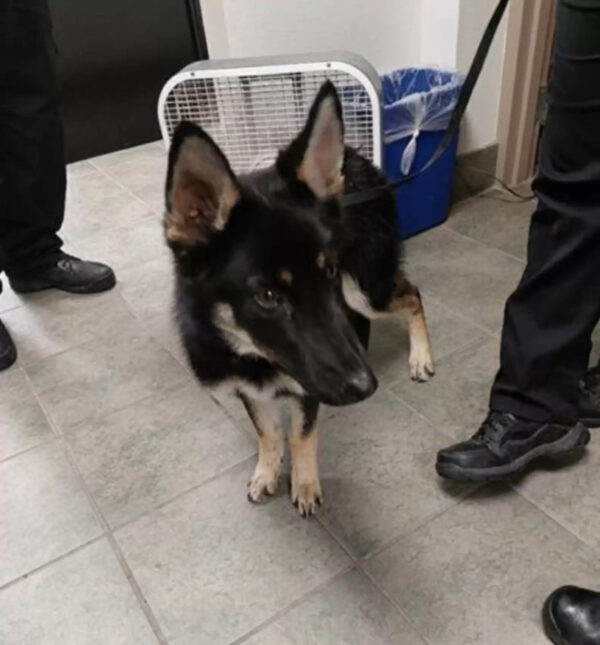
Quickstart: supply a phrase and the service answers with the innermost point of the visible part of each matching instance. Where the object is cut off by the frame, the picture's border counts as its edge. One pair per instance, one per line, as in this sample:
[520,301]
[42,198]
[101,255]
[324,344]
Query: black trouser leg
[550,318]
[32,165]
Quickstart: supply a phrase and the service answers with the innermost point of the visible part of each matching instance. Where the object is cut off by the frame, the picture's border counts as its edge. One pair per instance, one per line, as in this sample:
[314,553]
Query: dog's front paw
[306,496]
[420,364]
[264,482]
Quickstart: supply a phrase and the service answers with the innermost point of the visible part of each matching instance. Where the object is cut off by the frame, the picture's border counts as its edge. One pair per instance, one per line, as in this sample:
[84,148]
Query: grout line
[407,617]
[177,496]
[295,603]
[442,361]
[5,311]
[456,314]
[555,520]
[427,420]
[44,442]
[359,564]
[489,247]
[358,560]
[77,345]
[58,558]
[104,525]
[57,428]
[384,546]
[125,188]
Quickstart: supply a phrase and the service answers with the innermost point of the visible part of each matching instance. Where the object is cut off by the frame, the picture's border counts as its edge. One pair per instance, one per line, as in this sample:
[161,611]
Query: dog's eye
[267,298]
[331,271]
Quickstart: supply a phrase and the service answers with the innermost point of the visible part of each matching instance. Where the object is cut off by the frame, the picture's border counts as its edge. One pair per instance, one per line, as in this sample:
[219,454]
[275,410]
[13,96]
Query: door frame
[529,42]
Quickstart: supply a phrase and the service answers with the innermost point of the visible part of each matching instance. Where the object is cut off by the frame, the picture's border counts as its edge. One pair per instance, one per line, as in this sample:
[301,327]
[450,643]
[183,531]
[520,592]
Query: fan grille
[252,117]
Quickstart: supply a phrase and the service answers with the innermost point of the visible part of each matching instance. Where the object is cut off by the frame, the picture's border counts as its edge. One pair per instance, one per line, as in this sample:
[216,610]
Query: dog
[276,282]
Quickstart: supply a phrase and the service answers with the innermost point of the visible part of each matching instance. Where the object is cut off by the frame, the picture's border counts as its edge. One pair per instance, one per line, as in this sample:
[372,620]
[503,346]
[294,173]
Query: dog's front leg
[306,487]
[266,417]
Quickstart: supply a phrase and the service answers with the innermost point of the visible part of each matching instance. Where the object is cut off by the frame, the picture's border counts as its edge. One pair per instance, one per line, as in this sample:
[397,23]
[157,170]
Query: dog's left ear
[317,154]
[201,187]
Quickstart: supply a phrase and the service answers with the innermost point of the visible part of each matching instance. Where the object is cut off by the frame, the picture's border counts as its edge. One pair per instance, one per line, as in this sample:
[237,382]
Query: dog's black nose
[360,385]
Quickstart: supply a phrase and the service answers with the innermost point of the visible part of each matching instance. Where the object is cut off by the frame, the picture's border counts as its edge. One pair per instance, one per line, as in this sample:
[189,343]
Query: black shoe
[68,274]
[504,445]
[8,351]
[589,398]
[572,617]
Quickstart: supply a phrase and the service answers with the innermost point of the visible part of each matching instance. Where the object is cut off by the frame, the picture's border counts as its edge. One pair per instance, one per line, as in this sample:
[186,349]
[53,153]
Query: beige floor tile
[23,425]
[45,513]
[481,572]
[213,566]
[99,377]
[147,453]
[81,599]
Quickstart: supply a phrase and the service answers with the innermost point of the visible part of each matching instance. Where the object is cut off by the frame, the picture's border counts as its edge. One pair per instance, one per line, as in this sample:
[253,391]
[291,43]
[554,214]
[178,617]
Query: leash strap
[464,97]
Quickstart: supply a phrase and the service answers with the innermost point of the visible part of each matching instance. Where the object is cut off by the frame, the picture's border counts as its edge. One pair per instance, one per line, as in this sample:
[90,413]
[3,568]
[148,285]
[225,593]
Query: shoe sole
[572,443]
[591,423]
[103,284]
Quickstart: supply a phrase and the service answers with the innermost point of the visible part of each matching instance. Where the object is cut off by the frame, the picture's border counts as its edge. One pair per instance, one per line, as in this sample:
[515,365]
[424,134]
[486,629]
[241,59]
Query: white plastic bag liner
[417,100]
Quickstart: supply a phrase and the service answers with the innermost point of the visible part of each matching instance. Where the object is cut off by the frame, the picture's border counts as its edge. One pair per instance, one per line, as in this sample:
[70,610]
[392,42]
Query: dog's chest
[281,384]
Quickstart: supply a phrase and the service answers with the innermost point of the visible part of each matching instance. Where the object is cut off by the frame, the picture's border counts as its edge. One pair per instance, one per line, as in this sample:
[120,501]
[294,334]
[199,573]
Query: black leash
[464,97]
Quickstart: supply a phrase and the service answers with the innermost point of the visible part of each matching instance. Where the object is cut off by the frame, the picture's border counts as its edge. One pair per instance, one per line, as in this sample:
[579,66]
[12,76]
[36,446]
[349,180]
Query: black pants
[546,339]
[32,164]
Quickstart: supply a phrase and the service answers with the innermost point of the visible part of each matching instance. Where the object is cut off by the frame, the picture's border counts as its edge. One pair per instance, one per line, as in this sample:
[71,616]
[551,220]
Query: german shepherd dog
[276,283]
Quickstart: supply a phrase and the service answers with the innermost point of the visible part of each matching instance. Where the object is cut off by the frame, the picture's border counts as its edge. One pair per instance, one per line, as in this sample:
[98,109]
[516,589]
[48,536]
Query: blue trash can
[417,105]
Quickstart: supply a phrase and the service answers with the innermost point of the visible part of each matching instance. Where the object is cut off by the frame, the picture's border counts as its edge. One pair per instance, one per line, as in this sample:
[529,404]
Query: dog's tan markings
[306,487]
[406,303]
[321,261]
[202,195]
[266,417]
[286,277]
[237,337]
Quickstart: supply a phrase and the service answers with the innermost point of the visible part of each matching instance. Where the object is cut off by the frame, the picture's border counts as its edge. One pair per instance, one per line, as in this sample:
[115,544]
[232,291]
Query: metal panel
[254,107]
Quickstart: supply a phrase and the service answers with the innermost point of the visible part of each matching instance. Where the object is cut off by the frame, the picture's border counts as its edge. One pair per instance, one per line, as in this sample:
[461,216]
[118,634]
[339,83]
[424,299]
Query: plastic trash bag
[417,100]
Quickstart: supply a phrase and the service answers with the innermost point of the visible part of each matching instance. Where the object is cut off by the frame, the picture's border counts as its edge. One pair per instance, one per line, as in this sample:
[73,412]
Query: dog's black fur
[260,258]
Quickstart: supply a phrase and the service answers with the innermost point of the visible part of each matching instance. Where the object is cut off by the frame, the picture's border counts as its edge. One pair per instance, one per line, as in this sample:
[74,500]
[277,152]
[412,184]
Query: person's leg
[32,165]
[550,317]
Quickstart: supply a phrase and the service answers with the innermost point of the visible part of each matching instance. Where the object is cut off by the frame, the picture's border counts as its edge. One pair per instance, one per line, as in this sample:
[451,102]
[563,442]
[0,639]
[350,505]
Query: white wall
[389,33]
[438,32]
[384,31]
[480,127]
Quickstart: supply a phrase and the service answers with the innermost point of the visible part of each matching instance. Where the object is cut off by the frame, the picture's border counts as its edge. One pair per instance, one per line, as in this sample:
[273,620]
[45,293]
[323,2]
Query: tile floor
[123,512]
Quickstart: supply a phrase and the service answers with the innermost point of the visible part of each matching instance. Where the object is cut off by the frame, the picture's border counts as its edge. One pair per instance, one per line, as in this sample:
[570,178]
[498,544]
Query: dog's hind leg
[266,416]
[305,485]
[406,302]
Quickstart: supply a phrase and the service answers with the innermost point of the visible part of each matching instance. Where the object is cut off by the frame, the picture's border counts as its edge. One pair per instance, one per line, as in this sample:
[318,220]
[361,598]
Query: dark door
[114,57]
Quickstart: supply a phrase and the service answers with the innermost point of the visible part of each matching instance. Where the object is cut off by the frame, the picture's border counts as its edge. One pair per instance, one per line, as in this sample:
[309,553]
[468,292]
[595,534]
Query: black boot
[504,445]
[572,617]
[589,398]
[8,351]
[68,274]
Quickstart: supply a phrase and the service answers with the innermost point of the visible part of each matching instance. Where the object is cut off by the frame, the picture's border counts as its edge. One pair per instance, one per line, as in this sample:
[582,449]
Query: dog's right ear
[201,187]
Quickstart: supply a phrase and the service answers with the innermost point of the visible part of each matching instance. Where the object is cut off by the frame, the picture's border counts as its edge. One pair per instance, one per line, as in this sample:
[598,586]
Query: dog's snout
[360,385]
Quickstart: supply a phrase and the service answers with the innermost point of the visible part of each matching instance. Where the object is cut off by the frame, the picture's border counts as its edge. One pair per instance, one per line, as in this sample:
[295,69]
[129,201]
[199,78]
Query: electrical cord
[519,198]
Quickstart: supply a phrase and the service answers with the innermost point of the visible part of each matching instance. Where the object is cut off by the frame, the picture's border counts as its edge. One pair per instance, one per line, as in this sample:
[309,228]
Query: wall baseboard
[474,172]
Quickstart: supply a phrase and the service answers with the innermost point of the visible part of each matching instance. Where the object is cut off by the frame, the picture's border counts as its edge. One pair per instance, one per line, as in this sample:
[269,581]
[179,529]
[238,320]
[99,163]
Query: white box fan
[254,107]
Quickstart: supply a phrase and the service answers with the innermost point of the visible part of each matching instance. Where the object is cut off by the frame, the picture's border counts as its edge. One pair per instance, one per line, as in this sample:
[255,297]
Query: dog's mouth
[336,390]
